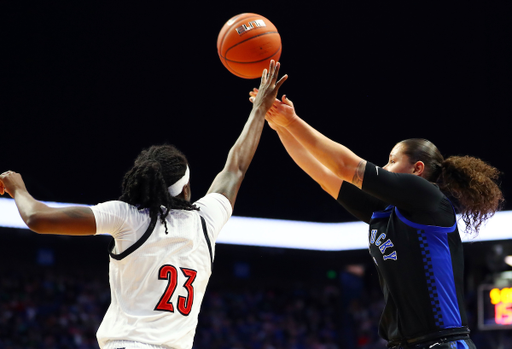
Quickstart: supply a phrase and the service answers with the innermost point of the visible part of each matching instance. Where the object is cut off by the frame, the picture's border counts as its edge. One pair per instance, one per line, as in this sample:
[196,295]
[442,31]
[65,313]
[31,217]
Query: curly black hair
[146,184]
[469,182]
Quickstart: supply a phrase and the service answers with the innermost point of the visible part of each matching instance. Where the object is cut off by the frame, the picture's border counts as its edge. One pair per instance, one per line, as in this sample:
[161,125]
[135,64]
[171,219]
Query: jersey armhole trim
[205,231]
[137,243]
[383,214]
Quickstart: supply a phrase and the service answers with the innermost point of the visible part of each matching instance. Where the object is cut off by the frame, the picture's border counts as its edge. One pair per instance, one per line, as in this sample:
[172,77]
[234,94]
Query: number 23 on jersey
[170,273]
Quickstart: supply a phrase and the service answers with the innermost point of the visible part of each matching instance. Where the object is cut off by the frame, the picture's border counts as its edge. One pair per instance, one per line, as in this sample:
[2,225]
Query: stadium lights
[293,234]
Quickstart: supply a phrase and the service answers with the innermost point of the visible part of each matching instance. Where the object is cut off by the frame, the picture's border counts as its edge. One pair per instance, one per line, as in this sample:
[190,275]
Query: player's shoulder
[212,200]
[216,209]
[116,207]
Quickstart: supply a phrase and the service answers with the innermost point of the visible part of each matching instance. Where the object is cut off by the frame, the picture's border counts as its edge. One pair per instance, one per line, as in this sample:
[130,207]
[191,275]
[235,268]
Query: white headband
[177,187]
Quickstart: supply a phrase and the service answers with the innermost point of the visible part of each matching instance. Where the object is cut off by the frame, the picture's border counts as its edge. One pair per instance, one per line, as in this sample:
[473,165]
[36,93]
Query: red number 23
[170,273]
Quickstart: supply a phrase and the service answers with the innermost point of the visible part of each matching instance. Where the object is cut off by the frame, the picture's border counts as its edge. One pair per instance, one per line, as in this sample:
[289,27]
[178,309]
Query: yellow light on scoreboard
[502,301]
[494,307]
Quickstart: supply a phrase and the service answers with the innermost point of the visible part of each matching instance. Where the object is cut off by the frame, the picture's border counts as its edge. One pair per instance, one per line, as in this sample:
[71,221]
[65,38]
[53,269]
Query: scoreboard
[494,307]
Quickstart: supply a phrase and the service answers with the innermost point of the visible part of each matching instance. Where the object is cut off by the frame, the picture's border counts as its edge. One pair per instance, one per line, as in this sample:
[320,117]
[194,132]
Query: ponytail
[470,183]
[473,186]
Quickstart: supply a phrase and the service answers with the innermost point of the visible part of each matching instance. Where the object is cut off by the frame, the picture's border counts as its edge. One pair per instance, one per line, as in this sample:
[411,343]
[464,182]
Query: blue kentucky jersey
[421,274]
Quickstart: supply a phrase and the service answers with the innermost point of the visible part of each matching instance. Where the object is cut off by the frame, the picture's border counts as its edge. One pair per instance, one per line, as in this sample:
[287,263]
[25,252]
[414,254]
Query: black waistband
[443,336]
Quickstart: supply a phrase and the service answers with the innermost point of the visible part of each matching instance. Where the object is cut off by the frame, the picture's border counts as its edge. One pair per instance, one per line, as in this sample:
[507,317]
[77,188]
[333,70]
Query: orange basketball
[247,43]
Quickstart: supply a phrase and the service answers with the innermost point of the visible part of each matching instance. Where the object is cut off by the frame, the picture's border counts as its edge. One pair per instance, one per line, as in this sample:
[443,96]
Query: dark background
[88,85]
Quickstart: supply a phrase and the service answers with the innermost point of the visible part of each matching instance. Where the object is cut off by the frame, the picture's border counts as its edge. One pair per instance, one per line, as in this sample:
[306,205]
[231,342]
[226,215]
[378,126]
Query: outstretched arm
[228,181]
[39,217]
[346,165]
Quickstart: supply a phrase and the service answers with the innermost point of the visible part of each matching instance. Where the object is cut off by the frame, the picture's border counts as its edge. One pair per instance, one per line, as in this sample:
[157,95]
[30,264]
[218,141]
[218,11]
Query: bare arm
[39,217]
[339,159]
[228,181]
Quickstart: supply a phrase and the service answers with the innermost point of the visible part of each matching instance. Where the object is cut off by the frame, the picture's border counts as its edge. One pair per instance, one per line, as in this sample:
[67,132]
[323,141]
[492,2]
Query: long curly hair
[146,184]
[470,183]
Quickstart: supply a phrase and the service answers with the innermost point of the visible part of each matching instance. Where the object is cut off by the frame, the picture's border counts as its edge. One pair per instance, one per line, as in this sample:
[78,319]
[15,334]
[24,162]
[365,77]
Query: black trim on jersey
[137,243]
[205,231]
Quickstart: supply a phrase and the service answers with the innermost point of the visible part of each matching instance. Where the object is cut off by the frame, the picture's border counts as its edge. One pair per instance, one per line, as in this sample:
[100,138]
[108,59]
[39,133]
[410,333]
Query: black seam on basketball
[261,60]
[237,73]
[241,42]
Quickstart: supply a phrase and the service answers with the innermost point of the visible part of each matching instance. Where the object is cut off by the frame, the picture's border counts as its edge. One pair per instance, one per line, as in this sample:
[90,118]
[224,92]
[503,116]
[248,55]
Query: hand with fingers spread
[282,113]
[269,87]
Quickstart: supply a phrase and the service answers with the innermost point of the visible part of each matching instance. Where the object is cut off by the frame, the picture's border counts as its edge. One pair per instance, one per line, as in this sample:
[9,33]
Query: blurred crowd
[48,308]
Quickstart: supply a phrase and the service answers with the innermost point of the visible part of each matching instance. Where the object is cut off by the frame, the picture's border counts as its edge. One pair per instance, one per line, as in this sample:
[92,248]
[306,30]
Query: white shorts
[132,345]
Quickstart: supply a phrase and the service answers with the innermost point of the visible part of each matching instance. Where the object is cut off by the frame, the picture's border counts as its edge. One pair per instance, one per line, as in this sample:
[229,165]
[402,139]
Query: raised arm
[346,165]
[228,181]
[39,217]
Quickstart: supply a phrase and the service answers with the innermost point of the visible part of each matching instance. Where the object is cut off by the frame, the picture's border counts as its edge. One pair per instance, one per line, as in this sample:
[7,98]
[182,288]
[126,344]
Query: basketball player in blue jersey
[411,211]
[164,245]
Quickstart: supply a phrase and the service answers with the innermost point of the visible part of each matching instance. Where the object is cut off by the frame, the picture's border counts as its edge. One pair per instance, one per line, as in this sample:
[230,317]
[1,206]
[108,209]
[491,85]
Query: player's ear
[187,193]
[418,168]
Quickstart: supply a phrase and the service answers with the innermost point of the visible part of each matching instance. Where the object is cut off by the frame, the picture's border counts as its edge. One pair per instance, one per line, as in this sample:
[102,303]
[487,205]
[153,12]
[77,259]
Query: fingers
[269,87]
[269,77]
[286,101]
[275,74]
[281,81]
[270,74]
[2,184]
[274,68]
[264,77]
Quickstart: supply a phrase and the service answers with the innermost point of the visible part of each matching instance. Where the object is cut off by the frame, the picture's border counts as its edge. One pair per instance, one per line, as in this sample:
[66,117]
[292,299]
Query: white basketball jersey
[158,283]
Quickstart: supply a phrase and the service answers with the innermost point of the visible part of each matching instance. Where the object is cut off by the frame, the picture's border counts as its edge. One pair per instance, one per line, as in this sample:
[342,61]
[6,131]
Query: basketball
[247,43]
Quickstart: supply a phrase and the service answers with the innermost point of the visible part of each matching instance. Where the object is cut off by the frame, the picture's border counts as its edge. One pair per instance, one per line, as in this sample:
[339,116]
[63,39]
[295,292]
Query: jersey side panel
[457,253]
[419,270]
[440,276]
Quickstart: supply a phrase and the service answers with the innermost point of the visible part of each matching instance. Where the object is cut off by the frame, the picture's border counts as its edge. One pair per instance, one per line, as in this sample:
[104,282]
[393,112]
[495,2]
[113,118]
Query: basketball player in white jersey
[163,248]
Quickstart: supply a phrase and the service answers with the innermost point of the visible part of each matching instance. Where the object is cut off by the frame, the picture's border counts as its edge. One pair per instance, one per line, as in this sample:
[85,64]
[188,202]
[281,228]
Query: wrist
[260,108]
[19,191]
[291,121]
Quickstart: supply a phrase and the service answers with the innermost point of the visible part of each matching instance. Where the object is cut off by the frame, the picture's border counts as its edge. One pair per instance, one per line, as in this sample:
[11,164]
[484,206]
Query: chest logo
[382,245]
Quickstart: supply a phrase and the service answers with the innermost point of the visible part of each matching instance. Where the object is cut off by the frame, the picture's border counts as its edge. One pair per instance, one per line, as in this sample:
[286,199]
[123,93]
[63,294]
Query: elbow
[237,164]
[323,186]
[240,171]
[350,171]
[342,173]
[36,224]
[238,174]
